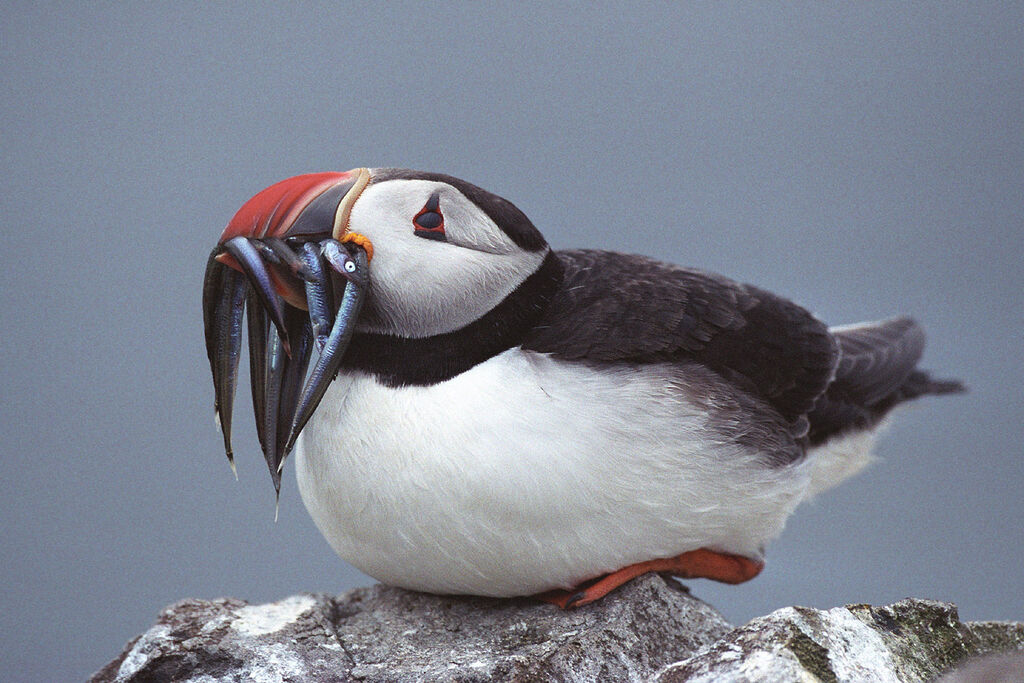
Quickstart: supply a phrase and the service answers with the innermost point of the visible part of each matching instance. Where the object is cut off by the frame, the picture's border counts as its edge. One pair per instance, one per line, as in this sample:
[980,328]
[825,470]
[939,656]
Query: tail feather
[877,370]
[919,383]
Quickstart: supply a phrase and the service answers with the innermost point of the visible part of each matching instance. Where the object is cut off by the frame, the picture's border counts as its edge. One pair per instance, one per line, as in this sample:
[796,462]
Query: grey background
[863,160]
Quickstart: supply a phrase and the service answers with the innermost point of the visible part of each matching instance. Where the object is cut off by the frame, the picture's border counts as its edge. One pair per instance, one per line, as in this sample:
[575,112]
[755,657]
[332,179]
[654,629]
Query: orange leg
[696,564]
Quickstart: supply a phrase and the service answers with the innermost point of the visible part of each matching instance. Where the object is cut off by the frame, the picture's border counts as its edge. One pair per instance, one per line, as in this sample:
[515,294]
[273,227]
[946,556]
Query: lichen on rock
[911,640]
[650,629]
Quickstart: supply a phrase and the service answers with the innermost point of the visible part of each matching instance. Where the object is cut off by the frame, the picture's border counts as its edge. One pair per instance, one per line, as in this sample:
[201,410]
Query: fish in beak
[288,264]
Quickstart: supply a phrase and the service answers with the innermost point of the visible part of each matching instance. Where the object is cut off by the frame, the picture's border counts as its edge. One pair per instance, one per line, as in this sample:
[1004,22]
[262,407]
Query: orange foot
[696,564]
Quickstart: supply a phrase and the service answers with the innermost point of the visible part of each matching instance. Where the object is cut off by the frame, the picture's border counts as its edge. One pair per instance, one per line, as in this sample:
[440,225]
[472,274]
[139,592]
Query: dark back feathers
[621,308]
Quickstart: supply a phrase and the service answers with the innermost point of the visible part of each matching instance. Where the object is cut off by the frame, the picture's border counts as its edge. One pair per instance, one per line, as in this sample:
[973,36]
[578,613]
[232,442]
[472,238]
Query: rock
[387,634]
[911,640]
[650,630]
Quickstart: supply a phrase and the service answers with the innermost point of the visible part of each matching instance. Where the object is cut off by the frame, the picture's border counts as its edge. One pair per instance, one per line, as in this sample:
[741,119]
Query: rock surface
[651,629]
[387,634]
[911,640]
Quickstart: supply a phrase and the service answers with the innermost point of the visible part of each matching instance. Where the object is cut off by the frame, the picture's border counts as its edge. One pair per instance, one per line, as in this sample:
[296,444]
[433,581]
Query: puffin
[472,412]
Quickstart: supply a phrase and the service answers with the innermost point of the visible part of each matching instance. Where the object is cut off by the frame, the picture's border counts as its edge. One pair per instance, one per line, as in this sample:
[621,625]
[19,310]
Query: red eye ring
[429,222]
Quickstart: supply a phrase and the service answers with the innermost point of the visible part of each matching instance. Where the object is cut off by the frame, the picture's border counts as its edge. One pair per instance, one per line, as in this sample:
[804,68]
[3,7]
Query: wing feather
[877,357]
[621,308]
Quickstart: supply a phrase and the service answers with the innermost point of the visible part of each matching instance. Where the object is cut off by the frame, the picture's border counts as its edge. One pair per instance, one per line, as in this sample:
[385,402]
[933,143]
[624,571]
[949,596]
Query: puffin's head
[444,251]
[426,254]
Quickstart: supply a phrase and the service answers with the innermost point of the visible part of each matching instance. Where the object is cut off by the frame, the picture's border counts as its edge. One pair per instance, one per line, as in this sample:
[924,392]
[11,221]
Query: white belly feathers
[526,473]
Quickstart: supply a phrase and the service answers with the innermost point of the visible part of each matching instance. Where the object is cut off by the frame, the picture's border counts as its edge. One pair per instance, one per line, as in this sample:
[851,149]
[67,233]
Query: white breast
[526,473]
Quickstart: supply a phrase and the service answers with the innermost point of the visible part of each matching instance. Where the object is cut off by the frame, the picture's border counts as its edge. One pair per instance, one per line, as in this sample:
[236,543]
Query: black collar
[403,361]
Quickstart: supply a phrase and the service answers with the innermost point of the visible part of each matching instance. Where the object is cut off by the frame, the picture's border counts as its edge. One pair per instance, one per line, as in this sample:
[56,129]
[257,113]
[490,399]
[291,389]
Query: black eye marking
[429,222]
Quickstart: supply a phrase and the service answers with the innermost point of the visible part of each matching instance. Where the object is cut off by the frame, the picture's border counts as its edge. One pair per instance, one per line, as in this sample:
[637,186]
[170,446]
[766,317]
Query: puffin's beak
[304,208]
[281,255]
[315,205]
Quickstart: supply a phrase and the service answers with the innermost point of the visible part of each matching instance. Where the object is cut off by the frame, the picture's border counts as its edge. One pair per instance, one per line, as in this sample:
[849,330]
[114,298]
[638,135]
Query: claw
[344,326]
[223,304]
[318,295]
[248,257]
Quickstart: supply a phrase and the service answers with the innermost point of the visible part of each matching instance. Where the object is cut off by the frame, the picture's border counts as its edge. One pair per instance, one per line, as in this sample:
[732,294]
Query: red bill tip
[271,211]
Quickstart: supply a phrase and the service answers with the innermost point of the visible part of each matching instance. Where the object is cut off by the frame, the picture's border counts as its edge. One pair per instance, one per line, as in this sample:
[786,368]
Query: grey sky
[864,160]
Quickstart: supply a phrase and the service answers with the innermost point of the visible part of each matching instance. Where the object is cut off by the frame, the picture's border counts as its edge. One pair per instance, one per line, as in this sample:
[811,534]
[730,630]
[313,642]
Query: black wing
[877,357]
[622,308]
[877,371]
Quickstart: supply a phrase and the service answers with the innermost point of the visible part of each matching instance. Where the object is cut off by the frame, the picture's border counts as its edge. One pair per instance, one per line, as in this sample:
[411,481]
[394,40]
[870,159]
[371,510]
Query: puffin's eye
[429,222]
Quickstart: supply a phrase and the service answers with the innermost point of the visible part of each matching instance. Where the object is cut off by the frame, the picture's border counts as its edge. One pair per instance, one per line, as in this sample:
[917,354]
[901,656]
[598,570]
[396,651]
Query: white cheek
[420,287]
